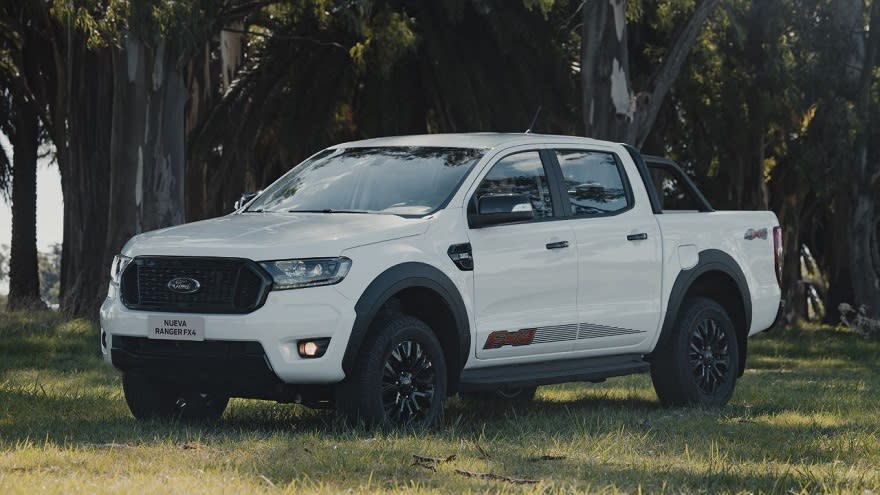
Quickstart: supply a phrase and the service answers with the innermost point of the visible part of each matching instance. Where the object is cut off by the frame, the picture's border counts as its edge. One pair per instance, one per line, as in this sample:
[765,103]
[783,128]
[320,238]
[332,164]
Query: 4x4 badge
[184,285]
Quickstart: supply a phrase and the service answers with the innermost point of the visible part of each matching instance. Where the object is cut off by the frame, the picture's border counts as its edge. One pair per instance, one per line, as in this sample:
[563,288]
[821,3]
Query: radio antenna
[534,119]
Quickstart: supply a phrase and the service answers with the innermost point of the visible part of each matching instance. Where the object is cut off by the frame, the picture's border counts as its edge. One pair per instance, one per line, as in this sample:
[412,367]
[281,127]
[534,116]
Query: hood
[272,236]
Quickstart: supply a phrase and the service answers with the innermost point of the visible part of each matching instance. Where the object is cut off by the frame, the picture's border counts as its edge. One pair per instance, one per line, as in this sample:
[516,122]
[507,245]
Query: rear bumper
[259,347]
[779,321]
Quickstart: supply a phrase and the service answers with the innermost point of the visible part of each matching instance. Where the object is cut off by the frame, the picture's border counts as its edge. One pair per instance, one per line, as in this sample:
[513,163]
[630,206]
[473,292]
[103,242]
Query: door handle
[557,245]
[637,237]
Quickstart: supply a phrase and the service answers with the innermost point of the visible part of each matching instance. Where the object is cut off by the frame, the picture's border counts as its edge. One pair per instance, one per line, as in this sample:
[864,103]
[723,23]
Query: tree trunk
[147,166]
[611,110]
[607,97]
[85,181]
[126,163]
[24,279]
[865,274]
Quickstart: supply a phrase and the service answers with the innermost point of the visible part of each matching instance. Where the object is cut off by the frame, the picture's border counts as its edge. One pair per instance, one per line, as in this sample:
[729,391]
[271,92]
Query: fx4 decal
[517,338]
[753,234]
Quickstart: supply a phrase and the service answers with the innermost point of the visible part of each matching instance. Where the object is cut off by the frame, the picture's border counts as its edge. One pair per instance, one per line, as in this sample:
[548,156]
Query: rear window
[671,191]
[594,182]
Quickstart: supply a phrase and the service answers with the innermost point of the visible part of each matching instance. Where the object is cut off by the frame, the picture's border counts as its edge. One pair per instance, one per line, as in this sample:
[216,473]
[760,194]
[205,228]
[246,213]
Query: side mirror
[494,209]
[244,199]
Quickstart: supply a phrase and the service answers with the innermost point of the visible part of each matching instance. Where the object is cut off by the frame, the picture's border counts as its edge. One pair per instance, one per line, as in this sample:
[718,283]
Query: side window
[672,193]
[594,182]
[520,174]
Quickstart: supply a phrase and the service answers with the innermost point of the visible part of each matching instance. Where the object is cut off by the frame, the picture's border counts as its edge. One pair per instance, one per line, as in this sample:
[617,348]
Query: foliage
[798,423]
[50,274]
[763,113]
[4,262]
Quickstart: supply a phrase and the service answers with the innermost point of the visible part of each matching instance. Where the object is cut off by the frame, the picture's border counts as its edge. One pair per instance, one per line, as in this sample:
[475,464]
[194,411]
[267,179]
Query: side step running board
[549,372]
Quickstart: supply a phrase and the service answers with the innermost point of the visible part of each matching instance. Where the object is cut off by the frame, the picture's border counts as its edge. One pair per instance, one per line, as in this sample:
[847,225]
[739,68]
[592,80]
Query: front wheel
[697,364]
[149,398]
[399,378]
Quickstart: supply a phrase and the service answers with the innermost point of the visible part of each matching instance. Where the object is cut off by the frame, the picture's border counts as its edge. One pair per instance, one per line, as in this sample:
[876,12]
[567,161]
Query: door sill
[592,369]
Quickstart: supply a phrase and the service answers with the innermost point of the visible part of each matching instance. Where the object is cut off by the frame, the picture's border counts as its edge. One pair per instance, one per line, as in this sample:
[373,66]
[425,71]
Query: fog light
[313,348]
[103,339]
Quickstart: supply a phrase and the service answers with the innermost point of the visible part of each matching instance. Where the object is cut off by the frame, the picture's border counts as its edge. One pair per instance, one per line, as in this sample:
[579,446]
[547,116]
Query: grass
[804,418]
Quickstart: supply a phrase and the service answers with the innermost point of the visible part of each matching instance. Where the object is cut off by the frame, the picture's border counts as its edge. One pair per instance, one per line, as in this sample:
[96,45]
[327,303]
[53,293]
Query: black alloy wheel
[709,355]
[399,379]
[407,383]
[697,362]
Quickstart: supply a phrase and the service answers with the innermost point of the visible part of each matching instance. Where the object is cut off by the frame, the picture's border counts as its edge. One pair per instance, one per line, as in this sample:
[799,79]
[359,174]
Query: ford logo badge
[184,285]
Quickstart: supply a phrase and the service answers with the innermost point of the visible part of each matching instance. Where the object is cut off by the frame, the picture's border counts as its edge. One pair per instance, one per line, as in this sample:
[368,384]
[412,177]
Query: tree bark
[24,278]
[147,166]
[865,274]
[85,181]
[611,110]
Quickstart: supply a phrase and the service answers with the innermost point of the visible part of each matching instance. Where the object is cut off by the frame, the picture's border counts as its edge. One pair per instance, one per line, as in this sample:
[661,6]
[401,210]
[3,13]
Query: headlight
[120,262]
[293,274]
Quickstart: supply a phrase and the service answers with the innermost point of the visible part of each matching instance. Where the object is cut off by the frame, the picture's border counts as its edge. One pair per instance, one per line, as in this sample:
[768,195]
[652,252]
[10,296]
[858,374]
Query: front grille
[226,285]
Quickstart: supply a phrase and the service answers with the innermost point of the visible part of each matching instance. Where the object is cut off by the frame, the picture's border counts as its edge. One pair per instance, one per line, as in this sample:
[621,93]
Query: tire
[698,364]
[399,378]
[149,398]
[505,397]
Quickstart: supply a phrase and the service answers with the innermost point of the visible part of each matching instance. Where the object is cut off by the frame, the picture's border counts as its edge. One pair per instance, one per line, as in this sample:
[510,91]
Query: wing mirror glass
[494,209]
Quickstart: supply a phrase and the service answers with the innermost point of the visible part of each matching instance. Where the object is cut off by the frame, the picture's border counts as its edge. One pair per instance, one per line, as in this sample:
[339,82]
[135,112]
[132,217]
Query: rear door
[525,274]
[619,250]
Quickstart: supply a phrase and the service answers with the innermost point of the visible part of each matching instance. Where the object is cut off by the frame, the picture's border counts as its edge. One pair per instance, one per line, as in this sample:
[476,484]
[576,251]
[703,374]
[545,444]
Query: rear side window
[520,174]
[594,182]
[671,191]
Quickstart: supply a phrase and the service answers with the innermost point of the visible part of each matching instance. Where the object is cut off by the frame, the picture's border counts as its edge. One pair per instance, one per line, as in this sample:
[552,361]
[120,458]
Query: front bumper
[285,318]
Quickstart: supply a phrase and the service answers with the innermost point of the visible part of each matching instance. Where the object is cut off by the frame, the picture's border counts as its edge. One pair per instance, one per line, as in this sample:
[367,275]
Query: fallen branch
[426,465]
[496,477]
[433,460]
[858,320]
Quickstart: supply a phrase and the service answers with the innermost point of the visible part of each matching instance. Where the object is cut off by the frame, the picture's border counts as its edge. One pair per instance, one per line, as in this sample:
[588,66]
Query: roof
[483,140]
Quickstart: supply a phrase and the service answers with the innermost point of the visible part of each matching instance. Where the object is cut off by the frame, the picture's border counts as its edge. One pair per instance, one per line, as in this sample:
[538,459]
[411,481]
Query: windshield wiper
[329,210]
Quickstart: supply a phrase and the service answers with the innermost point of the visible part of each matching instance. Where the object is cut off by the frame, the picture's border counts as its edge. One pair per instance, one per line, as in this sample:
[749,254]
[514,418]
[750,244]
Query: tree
[50,274]
[860,197]
[611,110]
[20,70]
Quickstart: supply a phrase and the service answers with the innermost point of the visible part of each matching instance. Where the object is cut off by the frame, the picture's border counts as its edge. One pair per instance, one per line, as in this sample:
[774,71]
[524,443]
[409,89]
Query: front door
[525,273]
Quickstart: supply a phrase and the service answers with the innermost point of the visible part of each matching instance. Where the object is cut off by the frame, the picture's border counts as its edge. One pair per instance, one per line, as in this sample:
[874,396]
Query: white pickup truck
[380,277]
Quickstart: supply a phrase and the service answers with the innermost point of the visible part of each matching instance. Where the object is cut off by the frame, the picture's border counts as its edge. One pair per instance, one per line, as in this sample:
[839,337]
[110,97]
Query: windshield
[400,181]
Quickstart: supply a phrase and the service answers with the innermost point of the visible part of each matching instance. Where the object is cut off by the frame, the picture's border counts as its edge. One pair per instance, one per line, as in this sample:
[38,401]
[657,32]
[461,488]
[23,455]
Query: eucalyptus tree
[20,73]
[612,109]
[313,77]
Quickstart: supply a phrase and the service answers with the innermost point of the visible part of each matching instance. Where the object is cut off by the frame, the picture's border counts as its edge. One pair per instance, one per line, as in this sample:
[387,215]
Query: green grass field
[805,418]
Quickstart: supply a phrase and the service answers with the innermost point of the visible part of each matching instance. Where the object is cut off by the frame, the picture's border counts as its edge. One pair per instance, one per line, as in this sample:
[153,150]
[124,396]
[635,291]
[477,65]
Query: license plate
[177,327]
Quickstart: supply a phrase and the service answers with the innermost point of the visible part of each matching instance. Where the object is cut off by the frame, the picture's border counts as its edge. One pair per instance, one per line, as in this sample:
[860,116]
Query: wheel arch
[423,291]
[716,276]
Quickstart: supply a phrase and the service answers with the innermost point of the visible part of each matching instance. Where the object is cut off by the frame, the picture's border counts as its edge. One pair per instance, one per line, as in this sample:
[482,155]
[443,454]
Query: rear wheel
[399,379]
[149,398]
[699,363]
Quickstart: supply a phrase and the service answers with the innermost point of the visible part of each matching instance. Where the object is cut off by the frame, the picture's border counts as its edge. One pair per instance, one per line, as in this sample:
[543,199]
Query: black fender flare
[709,260]
[390,282]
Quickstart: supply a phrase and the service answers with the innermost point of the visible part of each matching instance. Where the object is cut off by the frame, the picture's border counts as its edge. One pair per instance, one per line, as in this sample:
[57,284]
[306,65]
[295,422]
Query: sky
[50,226]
